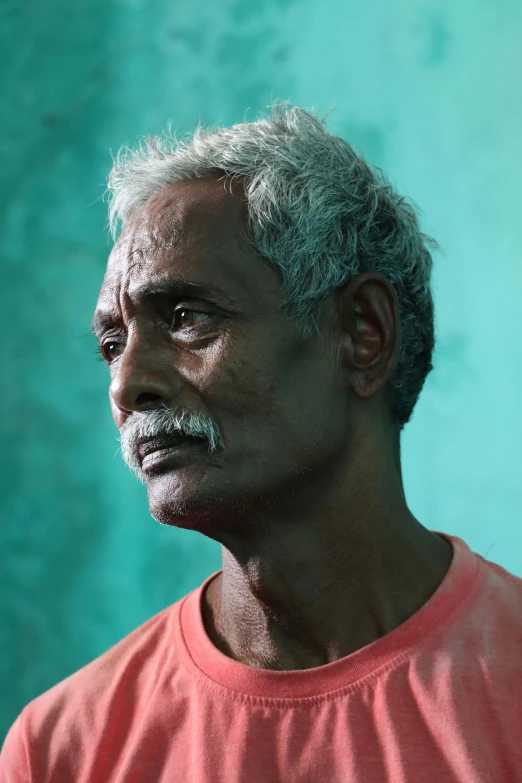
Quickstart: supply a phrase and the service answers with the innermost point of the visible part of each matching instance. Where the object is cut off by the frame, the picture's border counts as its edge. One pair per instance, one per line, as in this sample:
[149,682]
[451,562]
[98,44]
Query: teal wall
[428,89]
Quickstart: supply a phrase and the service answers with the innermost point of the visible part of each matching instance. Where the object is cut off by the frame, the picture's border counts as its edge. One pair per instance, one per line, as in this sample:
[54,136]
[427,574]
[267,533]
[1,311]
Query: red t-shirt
[437,699]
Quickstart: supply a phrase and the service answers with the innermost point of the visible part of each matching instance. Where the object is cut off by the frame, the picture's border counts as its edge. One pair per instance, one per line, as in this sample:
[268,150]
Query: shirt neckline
[346,672]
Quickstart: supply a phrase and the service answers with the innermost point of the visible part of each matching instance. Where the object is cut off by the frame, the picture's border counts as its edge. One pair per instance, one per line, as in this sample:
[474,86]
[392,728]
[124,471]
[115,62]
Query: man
[267,323]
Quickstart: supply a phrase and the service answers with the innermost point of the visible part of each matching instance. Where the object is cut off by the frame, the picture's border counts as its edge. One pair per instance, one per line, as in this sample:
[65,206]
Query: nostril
[146,397]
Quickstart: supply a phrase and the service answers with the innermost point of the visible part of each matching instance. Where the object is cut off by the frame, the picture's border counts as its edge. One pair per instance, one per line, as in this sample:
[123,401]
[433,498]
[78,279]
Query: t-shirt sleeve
[14,762]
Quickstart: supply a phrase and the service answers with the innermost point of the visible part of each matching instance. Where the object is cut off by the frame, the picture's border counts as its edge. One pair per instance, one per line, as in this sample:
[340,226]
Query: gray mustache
[161,422]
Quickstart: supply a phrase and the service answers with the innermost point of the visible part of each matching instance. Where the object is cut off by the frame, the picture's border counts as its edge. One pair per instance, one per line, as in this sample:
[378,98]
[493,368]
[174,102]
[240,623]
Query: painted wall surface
[429,90]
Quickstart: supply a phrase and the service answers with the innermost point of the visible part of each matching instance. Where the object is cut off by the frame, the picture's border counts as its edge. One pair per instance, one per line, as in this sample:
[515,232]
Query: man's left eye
[183,318]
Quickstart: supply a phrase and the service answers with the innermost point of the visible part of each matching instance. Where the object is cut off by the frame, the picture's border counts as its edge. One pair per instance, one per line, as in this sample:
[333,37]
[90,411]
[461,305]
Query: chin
[182,503]
[190,505]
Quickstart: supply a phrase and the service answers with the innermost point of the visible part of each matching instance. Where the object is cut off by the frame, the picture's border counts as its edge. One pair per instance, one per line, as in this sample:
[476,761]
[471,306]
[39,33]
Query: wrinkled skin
[321,554]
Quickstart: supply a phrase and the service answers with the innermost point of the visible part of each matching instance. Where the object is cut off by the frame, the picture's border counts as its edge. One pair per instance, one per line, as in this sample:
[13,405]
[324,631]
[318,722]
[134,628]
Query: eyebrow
[171,288]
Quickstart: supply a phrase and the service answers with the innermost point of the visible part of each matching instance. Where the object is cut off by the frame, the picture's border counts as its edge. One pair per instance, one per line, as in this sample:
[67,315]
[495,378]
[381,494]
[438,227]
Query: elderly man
[267,323]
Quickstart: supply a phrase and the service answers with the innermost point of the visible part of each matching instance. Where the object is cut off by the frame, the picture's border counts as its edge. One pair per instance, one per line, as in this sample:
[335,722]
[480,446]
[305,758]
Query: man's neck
[308,602]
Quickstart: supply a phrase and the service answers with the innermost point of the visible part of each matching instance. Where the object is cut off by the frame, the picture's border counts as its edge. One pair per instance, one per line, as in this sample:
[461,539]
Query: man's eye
[185,318]
[106,350]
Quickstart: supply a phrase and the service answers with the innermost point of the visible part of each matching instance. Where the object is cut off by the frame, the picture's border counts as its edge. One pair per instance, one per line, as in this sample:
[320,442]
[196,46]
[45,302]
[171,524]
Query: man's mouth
[146,447]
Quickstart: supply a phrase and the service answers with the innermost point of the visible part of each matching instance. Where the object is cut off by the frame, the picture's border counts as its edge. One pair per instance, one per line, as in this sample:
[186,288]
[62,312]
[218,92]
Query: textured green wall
[428,90]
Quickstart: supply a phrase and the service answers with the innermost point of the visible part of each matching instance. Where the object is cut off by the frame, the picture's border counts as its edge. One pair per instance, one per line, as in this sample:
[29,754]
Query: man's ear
[369,320]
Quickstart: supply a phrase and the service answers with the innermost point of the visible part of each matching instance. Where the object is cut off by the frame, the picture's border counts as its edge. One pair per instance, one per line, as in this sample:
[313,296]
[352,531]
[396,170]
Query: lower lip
[161,457]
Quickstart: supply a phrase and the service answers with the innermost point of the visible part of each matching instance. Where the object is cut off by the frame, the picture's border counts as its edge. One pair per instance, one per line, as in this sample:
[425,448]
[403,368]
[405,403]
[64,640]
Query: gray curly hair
[316,210]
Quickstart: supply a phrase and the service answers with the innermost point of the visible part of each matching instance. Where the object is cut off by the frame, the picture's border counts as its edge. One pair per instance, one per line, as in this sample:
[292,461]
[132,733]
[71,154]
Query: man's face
[232,358]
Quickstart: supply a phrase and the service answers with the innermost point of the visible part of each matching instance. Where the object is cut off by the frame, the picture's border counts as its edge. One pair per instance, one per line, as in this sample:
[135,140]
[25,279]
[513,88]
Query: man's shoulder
[128,669]
[63,728]
[501,593]
[490,626]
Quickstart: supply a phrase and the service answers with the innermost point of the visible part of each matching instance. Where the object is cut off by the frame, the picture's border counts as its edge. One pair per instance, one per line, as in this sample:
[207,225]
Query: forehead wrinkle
[178,224]
[150,235]
[144,235]
[182,212]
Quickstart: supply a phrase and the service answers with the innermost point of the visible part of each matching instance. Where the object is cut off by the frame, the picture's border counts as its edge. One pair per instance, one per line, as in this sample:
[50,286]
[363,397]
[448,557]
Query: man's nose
[144,378]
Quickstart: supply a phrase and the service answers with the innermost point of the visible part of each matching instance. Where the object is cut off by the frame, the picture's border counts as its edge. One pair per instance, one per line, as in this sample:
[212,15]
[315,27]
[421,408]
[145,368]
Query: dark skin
[321,555]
